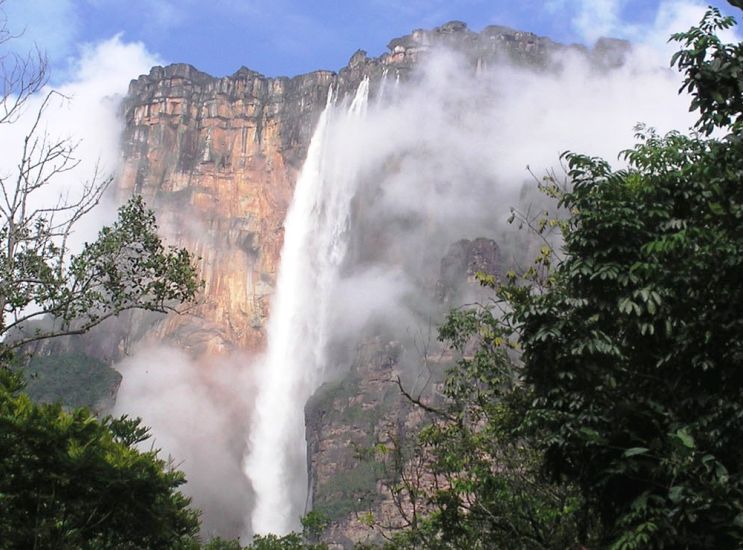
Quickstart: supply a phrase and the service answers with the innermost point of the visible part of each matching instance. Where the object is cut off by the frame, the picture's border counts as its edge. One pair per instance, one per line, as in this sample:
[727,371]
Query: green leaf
[590,434]
[685,437]
[716,208]
[634,451]
[676,494]
[738,521]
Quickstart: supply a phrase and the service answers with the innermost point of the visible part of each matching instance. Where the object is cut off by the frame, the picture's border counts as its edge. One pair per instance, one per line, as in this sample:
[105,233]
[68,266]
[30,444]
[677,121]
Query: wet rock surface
[463,261]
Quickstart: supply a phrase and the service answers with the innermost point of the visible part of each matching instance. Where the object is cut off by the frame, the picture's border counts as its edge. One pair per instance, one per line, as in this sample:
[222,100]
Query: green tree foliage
[72,380]
[713,73]
[126,267]
[292,541]
[627,395]
[69,480]
[469,480]
[634,350]
[313,524]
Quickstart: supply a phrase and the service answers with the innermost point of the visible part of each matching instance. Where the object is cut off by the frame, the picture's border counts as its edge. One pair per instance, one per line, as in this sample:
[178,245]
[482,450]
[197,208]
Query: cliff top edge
[453,33]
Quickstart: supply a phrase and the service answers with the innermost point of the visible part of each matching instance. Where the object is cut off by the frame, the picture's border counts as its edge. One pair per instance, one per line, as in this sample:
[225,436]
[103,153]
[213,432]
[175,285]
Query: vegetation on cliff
[73,380]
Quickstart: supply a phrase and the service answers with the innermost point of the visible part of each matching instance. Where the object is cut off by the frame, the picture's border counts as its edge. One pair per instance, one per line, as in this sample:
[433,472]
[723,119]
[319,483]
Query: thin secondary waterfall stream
[315,243]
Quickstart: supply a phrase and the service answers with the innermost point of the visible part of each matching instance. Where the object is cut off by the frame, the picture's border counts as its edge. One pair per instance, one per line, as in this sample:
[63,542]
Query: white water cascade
[315,243]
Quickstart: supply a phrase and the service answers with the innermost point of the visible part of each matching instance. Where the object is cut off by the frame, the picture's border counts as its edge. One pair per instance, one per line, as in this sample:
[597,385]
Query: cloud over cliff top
[647,23]
[85,111]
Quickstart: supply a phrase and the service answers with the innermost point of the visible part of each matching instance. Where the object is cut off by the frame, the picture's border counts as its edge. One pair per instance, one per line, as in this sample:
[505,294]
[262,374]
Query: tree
[628,345]
[292,541]
[469,479]
[634,348]
[23,76]
[126,267]
[70,480]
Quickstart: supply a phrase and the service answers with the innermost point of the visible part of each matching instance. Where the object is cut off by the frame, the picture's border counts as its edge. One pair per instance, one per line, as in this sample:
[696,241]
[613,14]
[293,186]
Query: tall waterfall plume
[315,243]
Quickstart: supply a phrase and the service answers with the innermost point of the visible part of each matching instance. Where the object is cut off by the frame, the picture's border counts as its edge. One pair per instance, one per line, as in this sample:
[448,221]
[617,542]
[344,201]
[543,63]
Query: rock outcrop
[359,430]
[375,407]
[459,267]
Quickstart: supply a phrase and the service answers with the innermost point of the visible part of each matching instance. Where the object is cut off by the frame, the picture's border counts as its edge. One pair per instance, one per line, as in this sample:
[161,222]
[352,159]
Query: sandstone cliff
[217,158]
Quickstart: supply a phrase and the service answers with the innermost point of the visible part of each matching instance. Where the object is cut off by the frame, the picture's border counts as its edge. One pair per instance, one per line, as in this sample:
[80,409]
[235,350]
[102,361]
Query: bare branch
[417,401]
[126,267]
[81,329]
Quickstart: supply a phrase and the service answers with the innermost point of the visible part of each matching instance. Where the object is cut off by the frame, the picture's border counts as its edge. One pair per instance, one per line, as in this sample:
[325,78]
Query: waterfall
[382,87]
[315,242]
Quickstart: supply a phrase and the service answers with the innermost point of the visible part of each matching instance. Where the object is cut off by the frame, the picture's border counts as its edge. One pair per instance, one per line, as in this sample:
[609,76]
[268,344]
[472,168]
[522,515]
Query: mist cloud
[593,19]
[445,157]
[197,412]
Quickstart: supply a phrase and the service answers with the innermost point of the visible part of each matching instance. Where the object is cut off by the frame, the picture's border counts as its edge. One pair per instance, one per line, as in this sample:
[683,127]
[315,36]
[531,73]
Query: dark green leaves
[68,480]
[713,73]
[126,267]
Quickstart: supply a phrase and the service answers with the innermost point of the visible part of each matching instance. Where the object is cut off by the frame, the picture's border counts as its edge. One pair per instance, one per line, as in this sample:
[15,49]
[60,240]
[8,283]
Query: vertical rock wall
[217,159]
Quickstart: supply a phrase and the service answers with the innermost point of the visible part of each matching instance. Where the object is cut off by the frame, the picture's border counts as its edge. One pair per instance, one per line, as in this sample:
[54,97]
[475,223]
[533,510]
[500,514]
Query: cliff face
[217,158]
[347,421]
[372,408]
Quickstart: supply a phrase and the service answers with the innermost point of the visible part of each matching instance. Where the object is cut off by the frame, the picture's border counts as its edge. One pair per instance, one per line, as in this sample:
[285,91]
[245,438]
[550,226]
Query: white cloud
[597,18]
[196,411]
[105,68]
[593,19]
[87,113]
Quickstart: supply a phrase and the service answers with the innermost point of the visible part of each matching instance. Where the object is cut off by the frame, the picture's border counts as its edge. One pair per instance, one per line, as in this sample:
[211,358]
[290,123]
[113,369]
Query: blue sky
[288,37]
